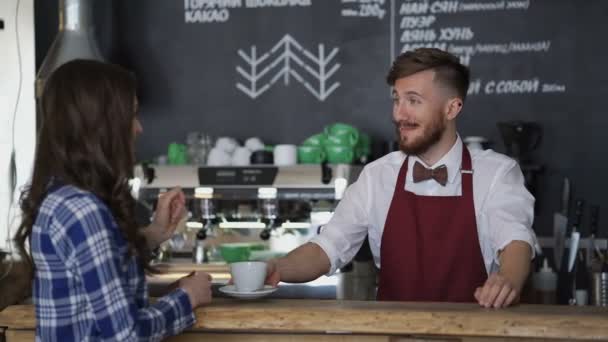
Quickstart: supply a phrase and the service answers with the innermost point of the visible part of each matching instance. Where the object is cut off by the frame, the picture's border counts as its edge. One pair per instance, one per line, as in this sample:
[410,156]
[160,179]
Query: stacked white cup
[285,155]
[227,151]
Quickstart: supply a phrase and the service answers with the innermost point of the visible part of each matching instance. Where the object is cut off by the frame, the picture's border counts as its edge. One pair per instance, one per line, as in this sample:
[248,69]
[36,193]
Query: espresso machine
[521,140]
[257,201]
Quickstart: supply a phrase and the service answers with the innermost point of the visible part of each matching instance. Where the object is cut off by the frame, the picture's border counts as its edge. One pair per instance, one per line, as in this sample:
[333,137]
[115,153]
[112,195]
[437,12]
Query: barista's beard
[431,135]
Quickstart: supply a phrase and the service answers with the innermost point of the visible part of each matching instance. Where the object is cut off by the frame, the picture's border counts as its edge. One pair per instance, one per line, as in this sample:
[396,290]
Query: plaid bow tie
[421,173]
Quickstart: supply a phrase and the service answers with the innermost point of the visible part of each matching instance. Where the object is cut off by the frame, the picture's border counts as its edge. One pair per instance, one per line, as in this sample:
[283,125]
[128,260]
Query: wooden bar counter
[330,320]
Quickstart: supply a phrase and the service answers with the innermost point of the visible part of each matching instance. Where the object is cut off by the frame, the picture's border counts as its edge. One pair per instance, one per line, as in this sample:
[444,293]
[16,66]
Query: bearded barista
[444,223]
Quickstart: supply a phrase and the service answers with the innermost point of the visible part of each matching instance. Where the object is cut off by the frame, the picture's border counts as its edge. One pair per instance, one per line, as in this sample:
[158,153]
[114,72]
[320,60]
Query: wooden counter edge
[322,317]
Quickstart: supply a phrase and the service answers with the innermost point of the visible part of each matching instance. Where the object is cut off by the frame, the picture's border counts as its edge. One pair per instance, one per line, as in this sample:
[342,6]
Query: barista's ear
[453,108]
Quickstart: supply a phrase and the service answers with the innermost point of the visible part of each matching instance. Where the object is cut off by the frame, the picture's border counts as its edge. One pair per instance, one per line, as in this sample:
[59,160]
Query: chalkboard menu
[283,69]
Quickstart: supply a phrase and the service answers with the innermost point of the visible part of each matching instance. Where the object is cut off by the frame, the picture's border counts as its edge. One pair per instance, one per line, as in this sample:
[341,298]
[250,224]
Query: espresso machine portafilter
[204,210]
[204,219]
[269,208]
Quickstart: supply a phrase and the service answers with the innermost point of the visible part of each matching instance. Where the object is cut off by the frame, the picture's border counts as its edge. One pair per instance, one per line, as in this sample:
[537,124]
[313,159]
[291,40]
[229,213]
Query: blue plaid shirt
[86,286]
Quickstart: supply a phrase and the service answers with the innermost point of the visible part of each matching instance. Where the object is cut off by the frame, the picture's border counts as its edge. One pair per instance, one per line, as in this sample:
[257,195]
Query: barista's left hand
[170,209]
[497,292]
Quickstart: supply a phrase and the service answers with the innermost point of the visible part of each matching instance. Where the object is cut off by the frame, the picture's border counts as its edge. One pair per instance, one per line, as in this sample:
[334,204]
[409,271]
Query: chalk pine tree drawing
[287,59]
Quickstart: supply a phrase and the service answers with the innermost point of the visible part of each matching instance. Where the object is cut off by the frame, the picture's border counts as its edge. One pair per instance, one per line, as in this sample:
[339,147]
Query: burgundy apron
[430,248]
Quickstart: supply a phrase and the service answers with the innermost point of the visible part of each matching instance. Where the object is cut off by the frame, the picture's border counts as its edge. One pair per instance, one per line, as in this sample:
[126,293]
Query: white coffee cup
[254,144]
[285,155]
[241,156]
[218,157]
[248,276]
[226,144]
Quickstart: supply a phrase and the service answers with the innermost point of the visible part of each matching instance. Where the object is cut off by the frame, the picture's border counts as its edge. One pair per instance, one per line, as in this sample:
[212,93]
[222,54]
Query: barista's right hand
[198,287]
[273,277]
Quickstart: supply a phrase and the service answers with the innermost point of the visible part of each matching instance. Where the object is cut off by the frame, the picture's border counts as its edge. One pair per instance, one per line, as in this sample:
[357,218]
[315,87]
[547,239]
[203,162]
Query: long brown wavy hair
[86,139]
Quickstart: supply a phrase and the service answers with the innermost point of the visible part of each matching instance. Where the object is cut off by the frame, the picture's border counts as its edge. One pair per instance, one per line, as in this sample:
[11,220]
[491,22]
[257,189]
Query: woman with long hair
[87,252]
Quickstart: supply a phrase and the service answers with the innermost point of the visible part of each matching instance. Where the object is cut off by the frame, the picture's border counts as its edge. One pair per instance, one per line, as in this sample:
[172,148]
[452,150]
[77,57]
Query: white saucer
[231,291]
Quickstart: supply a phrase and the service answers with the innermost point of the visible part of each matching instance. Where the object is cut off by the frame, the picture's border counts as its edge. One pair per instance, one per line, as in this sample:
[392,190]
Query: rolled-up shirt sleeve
[509,210]
[343,235]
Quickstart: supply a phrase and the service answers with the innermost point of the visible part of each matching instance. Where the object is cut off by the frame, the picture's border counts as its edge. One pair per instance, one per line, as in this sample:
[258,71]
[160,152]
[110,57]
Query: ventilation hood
[75,39]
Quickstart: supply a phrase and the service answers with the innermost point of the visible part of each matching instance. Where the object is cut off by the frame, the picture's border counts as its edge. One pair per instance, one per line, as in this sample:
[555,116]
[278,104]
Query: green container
[341,140]
[340,154]
[364,146]
[177,154]
[317,140]
[311,154]
[265,255]
[238,251]
[346,131]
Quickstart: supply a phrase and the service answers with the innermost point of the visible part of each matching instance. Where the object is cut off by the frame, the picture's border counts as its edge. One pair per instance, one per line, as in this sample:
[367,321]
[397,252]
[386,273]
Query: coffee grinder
[521,139]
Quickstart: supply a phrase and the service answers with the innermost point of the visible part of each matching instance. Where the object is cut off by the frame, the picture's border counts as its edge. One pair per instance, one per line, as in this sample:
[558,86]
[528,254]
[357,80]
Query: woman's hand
[198,287]
[170,210]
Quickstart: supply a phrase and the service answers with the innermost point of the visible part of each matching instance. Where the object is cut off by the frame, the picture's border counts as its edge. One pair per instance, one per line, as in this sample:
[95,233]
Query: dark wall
[188,74]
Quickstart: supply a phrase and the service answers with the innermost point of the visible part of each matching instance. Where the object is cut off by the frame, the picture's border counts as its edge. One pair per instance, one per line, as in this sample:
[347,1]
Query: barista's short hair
[448,70]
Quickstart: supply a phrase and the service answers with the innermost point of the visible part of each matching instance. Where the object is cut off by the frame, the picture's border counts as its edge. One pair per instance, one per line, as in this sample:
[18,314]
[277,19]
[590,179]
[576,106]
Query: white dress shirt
[504,208]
